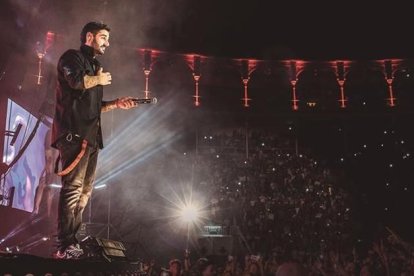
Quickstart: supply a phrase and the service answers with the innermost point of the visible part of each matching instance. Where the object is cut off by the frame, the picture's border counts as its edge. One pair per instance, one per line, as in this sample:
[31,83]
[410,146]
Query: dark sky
[339,29]
[258,29]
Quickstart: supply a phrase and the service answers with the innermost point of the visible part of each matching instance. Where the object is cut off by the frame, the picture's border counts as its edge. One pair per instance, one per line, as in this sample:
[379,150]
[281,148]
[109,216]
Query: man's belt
[75,162]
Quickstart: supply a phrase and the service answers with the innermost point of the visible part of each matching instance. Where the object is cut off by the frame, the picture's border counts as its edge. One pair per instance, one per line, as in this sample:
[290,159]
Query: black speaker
[98,249]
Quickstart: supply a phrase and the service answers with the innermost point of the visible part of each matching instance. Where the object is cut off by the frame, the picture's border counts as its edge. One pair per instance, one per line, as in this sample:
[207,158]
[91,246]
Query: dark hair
[93,27]
[202,264]
[175,261]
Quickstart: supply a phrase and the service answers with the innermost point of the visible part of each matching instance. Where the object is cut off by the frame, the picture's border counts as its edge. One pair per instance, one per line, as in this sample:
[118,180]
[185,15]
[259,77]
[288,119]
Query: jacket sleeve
[73,69]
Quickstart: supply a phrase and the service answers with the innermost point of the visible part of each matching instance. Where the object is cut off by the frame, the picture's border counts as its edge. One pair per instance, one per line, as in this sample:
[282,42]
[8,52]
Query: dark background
[314,31]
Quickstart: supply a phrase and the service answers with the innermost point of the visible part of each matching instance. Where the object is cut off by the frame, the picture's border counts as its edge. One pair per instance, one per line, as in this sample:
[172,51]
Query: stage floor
[23,264]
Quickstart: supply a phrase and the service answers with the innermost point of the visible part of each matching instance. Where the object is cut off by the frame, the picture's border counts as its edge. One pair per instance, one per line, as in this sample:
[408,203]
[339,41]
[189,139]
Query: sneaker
[71,252]
[61,255]
[74,251]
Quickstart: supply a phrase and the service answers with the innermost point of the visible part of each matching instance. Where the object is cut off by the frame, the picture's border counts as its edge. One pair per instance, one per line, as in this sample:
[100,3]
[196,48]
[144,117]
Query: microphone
[145,101]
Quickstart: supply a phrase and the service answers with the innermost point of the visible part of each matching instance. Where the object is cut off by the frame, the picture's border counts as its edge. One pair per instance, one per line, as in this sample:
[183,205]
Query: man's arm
[123,103]
[109,105]
[73,70]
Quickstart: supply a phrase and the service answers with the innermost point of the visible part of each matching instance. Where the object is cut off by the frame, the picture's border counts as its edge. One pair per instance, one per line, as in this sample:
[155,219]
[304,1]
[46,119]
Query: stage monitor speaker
[98,248]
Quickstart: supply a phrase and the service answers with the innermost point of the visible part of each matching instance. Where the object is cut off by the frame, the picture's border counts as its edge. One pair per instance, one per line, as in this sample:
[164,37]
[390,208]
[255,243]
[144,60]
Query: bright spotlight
[56,186]
[100,186]
[189,213]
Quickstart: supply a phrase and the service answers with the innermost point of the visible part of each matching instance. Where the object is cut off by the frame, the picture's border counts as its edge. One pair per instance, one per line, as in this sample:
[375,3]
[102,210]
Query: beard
[99,49]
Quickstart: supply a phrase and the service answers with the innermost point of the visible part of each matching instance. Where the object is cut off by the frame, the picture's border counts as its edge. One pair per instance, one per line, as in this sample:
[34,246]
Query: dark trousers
[75,192]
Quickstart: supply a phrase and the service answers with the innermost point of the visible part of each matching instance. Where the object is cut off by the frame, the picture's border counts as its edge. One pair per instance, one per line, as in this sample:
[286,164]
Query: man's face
[209,271]
[99,42]
[175,269]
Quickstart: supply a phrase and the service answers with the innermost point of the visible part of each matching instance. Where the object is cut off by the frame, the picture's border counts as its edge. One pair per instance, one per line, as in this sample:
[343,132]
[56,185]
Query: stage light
[23,225]
[54,185]
[152,131]
[100,186]
[189,213]
[45,238]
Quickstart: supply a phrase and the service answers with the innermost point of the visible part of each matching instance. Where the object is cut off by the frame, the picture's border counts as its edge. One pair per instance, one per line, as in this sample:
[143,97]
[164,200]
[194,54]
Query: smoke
[145,182]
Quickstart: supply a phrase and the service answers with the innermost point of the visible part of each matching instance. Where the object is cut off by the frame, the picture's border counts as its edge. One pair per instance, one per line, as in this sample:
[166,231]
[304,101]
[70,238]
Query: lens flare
[189,213]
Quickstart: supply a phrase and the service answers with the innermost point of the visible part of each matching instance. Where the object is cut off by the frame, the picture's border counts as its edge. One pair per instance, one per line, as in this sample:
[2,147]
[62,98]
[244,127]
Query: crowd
[388,257]
[277,197]
[285,210]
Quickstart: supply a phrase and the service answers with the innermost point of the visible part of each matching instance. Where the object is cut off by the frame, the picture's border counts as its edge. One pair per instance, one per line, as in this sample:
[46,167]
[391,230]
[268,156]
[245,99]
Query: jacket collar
[88,51]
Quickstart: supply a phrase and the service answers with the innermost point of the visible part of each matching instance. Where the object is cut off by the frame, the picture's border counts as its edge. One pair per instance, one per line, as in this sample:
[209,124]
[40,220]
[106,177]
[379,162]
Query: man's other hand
[126,103]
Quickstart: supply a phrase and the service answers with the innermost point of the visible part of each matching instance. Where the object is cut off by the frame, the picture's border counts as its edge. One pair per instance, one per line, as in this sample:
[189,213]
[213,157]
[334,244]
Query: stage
[23,264]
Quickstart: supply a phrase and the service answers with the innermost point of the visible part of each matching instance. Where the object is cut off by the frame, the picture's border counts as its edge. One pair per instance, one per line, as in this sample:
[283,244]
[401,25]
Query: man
[204,267]
[175,267]
[77,129]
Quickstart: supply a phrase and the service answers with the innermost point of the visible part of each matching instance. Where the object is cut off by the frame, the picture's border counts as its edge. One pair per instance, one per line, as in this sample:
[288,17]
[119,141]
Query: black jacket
[78,110]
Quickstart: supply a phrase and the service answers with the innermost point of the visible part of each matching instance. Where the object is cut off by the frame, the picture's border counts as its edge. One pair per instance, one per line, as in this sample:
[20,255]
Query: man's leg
[72,186]
[87,187]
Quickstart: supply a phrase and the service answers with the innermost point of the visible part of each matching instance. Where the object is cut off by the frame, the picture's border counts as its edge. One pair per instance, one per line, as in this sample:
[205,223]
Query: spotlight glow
[189,213]
[57,186]
[149,126]
[184,208]
[100,186]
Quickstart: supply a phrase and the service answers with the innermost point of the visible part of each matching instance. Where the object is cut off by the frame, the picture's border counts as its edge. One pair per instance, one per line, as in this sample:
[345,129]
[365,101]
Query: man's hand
[125,103]
[101,78]
[104,78]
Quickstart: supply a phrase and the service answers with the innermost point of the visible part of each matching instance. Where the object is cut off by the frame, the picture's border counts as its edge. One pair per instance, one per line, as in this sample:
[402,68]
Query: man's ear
[89,37]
